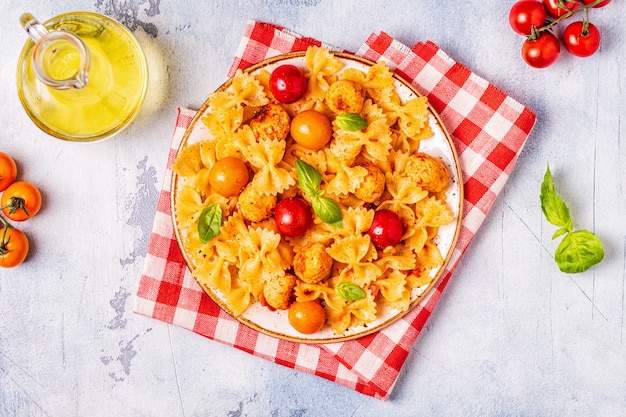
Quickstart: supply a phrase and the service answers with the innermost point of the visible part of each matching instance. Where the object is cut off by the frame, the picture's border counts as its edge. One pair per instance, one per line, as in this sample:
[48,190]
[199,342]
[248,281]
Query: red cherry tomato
[541,52]
[20,201]
[386,229]
[13,247]
[553,9]
[581,42]
[292,216]
[307,316]
[601,4]
[287,83]
[525,14]
[8,170]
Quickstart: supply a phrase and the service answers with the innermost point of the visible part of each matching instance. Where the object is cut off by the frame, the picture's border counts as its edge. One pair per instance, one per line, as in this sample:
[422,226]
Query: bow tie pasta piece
[403,189]
[190,202]
[247,90]
[374,141]
[432,212]
[323,67]
[356,252]
[227,107]
[428,258]
[259,258]
[215,273]
[404,260]
[265,156]
[378,82]
[412,116]
[356,221]
[188,161]
[259,261]
[226,114]
[311,292]
[394,291]
[347,180]
[353,314]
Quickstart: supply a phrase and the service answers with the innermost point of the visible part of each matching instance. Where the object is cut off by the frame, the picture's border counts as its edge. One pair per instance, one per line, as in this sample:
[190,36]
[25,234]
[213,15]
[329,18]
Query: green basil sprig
[210,222]
[350,121]
[350,291]
[579,250]
[325,208]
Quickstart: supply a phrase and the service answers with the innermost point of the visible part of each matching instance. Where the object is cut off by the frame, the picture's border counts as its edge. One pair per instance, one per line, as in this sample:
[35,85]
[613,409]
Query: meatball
[271,122]
[255,206]
[373,184]
[345,96]
[277,291]
[312,264]
[428,172]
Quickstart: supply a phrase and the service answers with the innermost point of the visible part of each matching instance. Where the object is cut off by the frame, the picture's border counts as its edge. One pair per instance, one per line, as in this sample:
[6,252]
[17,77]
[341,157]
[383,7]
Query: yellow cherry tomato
[13,247]
[311,129]
[307,317]
[8,170]
[21,201]
[228,176]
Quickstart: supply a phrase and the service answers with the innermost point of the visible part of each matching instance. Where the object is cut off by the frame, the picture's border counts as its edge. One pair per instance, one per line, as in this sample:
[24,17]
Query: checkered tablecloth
[489,129]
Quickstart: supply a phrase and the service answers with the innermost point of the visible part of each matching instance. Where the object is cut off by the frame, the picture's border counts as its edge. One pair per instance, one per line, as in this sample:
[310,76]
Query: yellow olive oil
[116,83]
[62,60]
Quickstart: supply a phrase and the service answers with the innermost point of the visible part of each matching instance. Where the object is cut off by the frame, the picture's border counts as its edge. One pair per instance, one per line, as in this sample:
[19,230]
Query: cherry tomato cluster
[21,200]
[536,20]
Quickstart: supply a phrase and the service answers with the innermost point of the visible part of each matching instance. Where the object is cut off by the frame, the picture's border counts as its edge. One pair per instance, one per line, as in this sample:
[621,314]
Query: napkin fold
[488,128]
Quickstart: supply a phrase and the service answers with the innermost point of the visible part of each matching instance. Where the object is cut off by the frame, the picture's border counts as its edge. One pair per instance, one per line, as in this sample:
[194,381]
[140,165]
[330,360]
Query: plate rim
[367,331]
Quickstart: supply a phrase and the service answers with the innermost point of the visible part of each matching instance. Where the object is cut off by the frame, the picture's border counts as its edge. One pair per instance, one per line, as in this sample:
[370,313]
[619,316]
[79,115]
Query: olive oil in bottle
[115,85]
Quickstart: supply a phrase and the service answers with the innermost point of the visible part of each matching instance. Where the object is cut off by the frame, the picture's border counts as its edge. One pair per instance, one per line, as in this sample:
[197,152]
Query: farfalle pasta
[236,248]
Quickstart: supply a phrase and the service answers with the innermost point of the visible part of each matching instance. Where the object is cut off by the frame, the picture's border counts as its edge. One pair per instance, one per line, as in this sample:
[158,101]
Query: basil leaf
[350,291]
[210,222]
[308,178]
[328,210]
[553,207]
[578,251]
[350,121]
[562,231]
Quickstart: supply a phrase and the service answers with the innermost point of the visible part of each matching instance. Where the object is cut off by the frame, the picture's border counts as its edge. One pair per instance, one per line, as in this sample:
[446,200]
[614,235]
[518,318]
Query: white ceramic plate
[275,323]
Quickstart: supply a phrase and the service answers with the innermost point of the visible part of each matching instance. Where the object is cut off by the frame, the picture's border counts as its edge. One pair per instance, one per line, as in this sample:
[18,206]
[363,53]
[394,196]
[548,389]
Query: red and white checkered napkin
[489,129]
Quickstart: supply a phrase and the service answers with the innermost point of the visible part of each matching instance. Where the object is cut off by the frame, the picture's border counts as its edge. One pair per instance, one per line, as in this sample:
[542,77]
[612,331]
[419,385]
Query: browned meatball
[428,172]
[277,291]
[345,96]
[373,184]
[255,206]
[312,264]
[271,122]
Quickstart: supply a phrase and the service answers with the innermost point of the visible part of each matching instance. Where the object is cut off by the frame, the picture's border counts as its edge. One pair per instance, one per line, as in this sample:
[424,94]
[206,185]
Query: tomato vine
[537,20]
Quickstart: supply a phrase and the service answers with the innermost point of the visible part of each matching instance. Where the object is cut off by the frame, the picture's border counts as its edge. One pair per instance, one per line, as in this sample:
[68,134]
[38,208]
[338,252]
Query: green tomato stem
[5,223]
[536,32]
[3,242]
[585,30]
[15,204]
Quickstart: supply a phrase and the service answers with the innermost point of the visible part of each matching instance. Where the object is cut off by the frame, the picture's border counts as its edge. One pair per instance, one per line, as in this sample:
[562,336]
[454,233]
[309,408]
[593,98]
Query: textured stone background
[511,335]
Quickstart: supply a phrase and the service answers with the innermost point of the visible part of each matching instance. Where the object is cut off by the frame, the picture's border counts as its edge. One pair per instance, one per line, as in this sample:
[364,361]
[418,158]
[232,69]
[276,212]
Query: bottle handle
[48,46]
